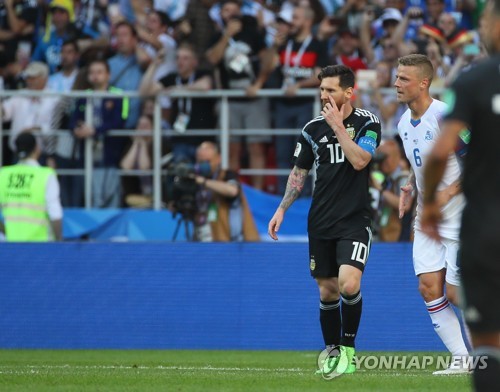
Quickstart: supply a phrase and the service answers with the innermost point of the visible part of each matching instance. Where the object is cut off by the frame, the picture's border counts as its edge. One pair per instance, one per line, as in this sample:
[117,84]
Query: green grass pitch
[184,370]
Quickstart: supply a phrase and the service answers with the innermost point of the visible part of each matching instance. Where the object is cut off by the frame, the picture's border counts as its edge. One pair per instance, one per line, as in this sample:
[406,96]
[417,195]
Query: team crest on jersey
[312,265]
[350,131]
[429,135]
[297,150]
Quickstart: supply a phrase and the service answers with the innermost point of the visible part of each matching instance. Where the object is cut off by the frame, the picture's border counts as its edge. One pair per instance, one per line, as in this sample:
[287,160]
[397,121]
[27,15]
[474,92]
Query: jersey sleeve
[370,135]
[303,156]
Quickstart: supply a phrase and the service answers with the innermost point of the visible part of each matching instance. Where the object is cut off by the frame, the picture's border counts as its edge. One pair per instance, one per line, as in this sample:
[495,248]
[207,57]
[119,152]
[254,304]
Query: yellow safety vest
[23,202]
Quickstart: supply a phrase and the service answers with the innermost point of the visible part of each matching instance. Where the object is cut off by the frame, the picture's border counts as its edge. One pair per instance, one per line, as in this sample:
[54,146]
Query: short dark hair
[132,28]
[73,43]
[345,75]
[164,19]
[100,61]
[224,2]
[25,144]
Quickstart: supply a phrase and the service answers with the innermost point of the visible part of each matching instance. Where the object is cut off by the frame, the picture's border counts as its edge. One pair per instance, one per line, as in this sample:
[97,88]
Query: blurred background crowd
[199,45]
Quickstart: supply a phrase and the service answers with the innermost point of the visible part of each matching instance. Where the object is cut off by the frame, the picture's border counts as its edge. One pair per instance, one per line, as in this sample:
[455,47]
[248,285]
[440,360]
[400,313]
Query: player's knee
[350,287]
[429,292]
[328,290]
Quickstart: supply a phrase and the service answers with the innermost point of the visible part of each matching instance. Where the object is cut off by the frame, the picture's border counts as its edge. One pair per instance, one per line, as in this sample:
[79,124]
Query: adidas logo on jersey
[324,139]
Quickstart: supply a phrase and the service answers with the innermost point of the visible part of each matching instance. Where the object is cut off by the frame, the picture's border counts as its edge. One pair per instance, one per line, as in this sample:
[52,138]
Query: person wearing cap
[29,196]
[60,28]
[31,113]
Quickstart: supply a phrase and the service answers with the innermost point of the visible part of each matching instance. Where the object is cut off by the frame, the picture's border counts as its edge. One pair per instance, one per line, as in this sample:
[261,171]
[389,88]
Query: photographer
[222,211]
[388,182]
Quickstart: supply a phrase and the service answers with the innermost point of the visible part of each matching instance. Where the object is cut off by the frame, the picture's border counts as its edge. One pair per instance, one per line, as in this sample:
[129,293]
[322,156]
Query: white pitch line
[124,367]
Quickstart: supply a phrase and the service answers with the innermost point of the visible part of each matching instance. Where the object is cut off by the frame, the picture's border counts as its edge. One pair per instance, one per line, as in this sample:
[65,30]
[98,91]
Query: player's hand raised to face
[333,116]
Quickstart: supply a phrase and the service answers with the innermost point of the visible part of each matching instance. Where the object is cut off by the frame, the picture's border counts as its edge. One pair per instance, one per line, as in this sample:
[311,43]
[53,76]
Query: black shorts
[326,256]
[480,278]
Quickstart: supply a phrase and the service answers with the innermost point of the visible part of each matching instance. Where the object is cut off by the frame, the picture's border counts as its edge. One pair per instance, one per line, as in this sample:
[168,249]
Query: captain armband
[368,144]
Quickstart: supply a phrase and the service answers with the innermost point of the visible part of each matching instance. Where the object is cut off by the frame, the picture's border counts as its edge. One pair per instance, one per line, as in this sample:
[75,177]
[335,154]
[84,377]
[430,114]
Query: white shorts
[430,256]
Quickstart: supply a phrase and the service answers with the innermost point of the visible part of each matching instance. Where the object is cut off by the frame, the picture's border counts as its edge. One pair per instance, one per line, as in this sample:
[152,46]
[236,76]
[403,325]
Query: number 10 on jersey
[336,153]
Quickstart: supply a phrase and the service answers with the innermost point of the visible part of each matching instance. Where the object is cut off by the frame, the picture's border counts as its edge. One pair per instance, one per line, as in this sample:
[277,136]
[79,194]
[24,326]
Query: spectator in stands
[108,114]
[126,72]
[185,113]
[384,106]
[223,213]
[197,27]
[64,79]
[468,58]
[71,77]
[32,114]
[347,50]
[91,17]
[153,37]
[389,227]
[447,23]
[17,28]
[352,11]
[139,156]
[239,53]
[434,8]
[29,196]
[301,58]
[60,28]
[378,48]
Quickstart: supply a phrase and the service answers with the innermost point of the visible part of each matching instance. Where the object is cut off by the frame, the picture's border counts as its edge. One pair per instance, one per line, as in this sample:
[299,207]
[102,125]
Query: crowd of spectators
[165,45]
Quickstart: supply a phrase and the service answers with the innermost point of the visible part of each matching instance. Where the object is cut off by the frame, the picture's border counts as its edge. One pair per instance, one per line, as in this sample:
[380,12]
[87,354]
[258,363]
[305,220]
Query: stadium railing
[223,132]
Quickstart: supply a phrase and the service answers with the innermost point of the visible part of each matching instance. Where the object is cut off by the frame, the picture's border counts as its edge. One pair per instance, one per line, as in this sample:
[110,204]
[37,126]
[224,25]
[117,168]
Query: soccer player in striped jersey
[340,144]
[435,262]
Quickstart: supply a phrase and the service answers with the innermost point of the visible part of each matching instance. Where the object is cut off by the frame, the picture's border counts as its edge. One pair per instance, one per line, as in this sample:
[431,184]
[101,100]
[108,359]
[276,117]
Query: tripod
[183,221]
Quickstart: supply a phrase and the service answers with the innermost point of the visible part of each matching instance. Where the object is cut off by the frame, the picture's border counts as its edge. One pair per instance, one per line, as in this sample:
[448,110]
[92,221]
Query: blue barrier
[195,296]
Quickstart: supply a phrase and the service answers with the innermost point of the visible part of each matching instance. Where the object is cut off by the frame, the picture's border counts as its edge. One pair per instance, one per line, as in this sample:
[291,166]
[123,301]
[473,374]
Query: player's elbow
[360,164]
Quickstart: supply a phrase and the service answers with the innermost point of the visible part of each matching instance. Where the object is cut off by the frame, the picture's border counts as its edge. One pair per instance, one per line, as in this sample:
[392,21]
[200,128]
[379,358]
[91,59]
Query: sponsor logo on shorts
[312,265]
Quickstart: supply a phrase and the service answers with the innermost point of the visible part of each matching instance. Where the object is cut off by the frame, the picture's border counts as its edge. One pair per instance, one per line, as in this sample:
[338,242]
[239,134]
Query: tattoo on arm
[296,181]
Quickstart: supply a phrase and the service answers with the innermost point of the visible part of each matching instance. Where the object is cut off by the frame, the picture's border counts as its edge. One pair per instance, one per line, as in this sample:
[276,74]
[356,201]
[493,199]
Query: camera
[181,187]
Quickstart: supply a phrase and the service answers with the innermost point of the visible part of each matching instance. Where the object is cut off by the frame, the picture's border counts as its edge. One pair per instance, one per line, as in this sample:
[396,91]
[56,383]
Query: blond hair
[420,61]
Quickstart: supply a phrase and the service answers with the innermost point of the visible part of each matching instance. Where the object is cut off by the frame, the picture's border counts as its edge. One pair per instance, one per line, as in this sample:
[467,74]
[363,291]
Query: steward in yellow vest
[29,196]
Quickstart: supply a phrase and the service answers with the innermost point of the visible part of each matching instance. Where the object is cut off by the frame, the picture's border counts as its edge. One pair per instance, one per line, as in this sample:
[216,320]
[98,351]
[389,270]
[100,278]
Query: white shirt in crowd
[25,113]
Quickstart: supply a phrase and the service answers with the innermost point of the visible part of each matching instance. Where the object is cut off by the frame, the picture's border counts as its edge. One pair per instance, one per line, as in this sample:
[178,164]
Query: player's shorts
[431,256]
[480,270]
[326,256]
[250,114]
